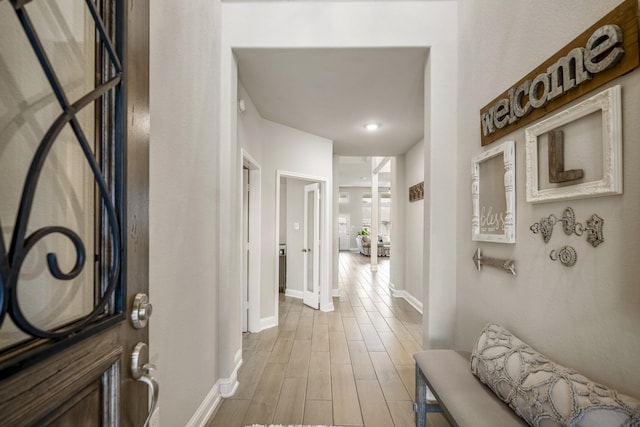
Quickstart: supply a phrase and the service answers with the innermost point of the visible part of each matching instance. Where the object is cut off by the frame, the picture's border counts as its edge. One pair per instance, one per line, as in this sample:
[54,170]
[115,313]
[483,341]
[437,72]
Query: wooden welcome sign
[608,49]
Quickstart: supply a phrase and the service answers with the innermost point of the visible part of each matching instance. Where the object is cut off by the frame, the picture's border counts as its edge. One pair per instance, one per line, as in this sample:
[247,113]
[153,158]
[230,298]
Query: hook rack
[570,226]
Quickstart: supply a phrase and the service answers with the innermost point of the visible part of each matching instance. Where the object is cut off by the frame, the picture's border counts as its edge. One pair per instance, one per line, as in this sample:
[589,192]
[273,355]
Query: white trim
[224,387]
[293,293]
[329,307]
[335,292]
[207,408]
[268,322]
[413,301]
[228,386]
[255,197]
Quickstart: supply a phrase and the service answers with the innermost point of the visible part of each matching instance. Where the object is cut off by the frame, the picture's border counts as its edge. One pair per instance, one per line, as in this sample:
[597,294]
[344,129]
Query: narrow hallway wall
[586,316]
[182,204]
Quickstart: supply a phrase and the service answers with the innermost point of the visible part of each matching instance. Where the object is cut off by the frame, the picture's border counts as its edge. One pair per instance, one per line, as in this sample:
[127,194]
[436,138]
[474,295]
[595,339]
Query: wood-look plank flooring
[350,367]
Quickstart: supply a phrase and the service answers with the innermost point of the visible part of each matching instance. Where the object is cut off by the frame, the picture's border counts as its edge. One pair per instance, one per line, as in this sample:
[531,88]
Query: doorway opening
[302,230]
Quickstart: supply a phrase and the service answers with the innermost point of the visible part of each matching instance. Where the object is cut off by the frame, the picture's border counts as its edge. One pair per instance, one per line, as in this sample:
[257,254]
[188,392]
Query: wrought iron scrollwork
[11,260]
[570,226]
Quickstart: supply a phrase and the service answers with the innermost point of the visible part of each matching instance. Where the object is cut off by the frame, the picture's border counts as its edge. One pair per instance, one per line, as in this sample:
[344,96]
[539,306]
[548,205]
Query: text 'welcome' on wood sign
[608,49]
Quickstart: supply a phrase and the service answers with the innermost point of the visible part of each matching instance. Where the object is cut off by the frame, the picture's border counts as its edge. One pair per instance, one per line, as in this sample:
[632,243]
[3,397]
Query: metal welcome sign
[605,51]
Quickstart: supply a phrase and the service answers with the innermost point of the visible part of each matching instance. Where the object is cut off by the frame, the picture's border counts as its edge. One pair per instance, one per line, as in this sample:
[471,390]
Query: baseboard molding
[413,301]
[293,293]
[328,308]
[268,322]
[207,408]
[335,292]
[228,386]
[224,387]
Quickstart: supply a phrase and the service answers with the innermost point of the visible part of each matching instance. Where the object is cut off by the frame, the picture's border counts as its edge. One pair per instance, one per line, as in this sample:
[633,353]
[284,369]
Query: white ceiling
[333,92]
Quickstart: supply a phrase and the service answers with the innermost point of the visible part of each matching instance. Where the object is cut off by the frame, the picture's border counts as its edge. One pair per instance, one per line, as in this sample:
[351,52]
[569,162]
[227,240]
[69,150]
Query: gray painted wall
[586,316]
[413,222]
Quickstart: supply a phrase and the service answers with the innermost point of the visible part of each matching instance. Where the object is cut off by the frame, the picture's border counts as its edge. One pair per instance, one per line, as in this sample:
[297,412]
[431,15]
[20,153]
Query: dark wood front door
[73,211]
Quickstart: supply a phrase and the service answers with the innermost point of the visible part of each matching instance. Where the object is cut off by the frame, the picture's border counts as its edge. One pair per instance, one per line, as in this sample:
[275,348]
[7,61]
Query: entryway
[300,234]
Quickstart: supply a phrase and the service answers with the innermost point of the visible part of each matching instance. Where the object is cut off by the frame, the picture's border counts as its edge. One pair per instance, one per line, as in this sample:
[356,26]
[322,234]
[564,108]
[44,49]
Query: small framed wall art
[493,195]
[416,192]
[577,153]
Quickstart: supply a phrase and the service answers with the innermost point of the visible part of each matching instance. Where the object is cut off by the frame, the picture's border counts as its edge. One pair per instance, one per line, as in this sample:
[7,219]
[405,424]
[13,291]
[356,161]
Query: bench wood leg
[420,407]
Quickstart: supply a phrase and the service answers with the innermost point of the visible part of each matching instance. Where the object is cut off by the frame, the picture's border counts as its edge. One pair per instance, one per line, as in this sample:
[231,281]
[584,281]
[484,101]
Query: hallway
[349,367]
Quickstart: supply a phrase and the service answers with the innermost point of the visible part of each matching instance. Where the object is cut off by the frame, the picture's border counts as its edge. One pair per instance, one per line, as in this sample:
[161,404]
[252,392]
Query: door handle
[304,250]
[141,373]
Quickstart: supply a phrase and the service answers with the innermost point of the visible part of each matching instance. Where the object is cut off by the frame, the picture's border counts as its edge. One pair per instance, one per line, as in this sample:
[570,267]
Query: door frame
[255,174]
[326,303]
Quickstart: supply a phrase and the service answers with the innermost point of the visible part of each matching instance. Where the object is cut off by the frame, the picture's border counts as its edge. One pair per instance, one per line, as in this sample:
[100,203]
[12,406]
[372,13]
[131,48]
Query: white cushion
[542,392]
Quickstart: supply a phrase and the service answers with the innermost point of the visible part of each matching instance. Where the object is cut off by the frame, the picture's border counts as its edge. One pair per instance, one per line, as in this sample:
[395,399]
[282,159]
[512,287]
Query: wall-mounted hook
[571,226]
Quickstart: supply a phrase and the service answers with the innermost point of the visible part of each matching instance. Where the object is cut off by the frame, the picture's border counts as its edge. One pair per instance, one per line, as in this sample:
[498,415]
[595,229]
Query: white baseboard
[228,386]
[293,293]
[224,387]
[328,308]
[335,292]
[413,301]
[268,322]
[207,408]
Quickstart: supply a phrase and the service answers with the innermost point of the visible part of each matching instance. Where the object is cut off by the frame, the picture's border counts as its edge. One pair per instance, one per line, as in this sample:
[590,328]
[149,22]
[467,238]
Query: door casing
[253,269]
[326,303]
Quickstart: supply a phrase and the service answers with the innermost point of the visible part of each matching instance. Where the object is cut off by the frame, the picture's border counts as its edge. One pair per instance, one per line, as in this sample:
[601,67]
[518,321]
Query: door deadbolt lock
[141,311]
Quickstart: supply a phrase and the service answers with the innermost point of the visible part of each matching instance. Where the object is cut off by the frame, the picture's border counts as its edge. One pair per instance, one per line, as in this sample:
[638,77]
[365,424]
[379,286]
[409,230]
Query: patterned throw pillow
[542,392]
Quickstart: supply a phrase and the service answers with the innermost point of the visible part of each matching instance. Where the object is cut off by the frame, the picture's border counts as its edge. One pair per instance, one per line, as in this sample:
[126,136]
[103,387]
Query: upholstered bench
[461,397]
[505,382]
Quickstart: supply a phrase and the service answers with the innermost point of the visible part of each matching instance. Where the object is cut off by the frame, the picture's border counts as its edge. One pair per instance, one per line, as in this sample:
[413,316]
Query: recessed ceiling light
[372,126]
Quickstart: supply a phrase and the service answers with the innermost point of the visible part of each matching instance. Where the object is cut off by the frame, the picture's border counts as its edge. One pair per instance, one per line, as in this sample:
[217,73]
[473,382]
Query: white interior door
[311,247]
[344,231]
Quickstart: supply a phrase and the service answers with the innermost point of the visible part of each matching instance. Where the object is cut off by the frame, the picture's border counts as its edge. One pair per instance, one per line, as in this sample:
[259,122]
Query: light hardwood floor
[349,367]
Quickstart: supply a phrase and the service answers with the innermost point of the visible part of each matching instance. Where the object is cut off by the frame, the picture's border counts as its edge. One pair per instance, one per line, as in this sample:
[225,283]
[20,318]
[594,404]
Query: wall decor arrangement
[593,229]
[602,110]
[507,265]
[603,52]
[416,192]
[493,195]
[567,255]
